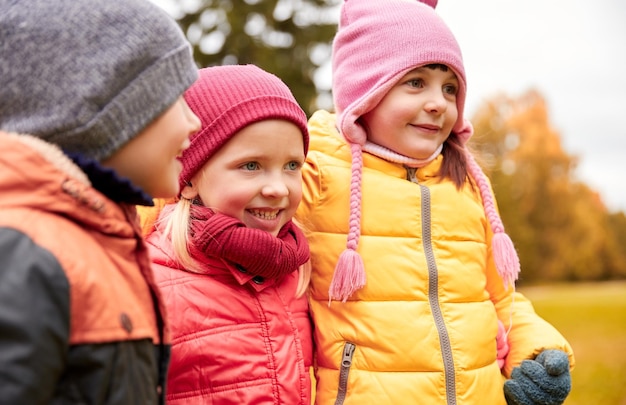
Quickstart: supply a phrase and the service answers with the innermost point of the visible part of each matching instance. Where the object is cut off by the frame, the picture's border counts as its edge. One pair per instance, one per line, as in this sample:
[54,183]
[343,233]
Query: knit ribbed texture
[256,251]
[377,43]
[229,98]
[89,75]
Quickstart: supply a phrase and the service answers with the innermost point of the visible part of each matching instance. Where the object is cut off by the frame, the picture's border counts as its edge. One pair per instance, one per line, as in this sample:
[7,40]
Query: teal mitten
[545,380]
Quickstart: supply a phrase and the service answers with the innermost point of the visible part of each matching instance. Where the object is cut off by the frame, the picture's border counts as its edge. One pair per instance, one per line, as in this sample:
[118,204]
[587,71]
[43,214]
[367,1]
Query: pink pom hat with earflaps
[377,43]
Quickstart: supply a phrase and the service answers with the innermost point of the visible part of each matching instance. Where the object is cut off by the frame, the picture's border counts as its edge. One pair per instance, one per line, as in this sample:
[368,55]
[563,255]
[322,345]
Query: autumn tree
[290,38]
[560,226]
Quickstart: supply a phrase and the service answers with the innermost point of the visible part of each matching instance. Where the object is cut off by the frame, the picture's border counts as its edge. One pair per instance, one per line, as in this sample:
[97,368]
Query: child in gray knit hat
[92,122]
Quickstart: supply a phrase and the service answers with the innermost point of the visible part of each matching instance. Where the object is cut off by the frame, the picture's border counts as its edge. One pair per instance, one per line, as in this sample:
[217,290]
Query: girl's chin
[423,153]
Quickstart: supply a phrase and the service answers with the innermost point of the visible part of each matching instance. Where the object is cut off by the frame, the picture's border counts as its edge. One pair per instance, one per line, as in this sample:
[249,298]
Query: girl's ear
[189,192]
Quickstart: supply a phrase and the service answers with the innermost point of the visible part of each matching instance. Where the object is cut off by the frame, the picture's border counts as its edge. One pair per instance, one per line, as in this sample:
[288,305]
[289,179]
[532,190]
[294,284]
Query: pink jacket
[236,339]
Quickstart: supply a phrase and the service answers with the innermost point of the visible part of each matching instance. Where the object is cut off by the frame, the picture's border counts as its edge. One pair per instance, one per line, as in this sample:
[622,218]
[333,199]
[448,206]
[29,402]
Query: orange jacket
[75,287]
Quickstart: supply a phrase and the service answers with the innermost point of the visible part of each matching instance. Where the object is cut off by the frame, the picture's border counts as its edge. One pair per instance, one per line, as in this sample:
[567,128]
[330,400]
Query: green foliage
[288,38]
[592,316]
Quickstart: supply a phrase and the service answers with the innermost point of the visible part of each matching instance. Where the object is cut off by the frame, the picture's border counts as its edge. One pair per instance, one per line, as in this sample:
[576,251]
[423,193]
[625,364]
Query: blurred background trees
[560,226]
[290,38]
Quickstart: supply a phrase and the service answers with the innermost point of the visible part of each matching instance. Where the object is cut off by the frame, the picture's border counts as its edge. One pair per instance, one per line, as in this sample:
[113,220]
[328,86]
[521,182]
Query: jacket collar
[87,171]
[37,175]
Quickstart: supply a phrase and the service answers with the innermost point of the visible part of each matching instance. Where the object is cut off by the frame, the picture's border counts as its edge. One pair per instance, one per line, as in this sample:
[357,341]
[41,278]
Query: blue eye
[293,165]
[250,166]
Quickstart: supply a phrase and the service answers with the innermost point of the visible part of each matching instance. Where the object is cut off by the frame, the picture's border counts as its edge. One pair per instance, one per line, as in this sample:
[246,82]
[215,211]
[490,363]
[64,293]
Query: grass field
[593,319]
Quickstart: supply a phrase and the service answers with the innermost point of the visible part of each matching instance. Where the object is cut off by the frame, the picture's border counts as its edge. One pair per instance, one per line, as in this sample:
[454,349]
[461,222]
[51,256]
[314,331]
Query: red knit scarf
[257,251]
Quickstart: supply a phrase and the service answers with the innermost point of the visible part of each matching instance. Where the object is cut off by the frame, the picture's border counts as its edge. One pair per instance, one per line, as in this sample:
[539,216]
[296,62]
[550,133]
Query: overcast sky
[573,52]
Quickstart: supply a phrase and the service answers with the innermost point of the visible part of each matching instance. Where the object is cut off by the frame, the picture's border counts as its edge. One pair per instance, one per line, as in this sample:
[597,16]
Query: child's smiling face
[256,176]
[417,115]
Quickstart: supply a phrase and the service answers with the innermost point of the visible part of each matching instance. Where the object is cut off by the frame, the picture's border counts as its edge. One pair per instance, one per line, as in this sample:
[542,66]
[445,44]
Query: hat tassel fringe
[507,261]
[348,277]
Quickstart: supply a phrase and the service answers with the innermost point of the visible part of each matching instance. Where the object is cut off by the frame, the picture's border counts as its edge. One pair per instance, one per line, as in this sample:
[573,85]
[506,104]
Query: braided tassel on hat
[349,274]
[504,254]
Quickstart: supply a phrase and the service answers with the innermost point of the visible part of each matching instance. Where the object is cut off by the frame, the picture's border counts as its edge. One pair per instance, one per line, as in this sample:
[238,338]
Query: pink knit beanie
[376,44]
[229,98]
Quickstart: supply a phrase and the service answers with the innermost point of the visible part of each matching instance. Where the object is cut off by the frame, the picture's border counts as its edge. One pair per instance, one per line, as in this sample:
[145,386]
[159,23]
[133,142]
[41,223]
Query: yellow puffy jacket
[419,332]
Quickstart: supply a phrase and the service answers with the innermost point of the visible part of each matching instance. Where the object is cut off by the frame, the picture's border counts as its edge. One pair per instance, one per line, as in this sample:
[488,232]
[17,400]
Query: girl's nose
[275,186]
[436,102]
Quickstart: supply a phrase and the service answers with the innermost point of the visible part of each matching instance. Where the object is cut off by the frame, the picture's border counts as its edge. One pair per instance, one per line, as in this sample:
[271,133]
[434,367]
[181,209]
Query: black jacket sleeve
[34,320]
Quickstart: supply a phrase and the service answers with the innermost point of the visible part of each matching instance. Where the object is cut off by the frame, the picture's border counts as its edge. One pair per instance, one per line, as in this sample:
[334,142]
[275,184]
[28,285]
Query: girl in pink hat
[413,277]
[226,255]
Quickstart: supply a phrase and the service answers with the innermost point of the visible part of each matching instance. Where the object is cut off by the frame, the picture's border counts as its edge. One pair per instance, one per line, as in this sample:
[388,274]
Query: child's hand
[502,345]
[545,380]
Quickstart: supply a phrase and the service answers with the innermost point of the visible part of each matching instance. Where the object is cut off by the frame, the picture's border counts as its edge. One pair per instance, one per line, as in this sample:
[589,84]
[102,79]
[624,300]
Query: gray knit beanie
[89,75]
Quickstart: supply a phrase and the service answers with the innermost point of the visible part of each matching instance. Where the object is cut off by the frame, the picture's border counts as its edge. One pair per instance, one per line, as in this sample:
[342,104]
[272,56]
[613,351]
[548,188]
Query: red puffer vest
[236,339]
